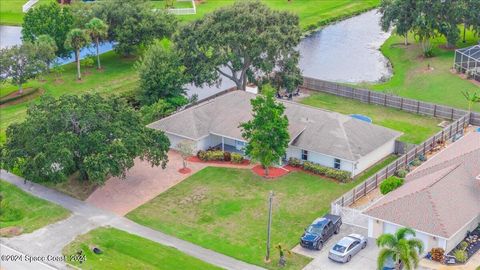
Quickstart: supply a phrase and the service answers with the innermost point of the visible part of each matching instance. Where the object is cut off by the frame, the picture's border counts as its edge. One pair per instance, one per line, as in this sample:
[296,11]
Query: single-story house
[324,137]
[440,199]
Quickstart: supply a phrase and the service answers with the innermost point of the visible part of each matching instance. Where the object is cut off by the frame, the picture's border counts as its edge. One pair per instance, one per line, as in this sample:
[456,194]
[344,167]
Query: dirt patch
[10,231]
[28,94]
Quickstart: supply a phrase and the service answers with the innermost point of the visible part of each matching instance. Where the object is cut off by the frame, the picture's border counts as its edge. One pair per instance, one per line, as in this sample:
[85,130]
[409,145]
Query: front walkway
[51,239]
[143,183]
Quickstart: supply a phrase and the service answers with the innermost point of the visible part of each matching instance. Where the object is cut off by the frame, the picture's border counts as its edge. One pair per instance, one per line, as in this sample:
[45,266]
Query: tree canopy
[20,63]
[98,137]
[46,47]
[98,31]
[162,74]
[76,40]
[246,37]
[267,133]
[400,248]
[134,23]
[48,19]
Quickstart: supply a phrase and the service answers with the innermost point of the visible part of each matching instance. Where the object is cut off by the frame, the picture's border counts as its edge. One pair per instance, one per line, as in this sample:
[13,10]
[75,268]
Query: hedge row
[217,155]
[342,176]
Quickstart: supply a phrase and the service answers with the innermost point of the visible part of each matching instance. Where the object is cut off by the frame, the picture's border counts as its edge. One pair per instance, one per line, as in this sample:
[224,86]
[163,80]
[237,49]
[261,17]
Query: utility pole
[270,200]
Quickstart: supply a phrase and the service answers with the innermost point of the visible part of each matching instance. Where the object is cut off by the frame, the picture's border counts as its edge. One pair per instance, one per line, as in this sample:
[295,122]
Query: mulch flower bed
[273,172]
[473,240]
[245,162]
[185,170]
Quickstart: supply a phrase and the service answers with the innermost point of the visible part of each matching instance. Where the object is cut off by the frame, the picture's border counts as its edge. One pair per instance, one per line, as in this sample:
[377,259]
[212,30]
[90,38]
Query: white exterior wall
[375,156]
[321,159]
[458,237]
[378,227]
[174,140]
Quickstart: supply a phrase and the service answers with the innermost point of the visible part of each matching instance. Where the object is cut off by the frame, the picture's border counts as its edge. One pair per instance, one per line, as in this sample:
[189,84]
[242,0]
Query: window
[336,163]
[304,155]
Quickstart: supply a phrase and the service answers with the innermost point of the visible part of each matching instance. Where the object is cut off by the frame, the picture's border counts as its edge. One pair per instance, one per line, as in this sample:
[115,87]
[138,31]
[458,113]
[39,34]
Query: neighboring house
[327,138]
[440,199]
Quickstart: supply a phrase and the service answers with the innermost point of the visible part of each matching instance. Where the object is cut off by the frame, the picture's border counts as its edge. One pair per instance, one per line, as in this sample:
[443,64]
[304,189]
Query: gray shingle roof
[310,128]
[440,196]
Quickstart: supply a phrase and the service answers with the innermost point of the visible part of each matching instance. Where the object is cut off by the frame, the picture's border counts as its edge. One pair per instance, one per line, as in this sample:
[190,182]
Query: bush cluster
[236,158]
[315,168]
[390,184]
[219,155]
[402,173]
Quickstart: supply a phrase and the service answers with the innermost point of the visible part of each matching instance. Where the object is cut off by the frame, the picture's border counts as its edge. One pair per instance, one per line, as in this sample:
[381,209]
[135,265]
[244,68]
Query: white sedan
[347,247]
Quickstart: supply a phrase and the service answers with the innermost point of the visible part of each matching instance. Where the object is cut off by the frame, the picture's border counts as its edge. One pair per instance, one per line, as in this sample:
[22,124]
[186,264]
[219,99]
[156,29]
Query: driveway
[141,184]
[365,259]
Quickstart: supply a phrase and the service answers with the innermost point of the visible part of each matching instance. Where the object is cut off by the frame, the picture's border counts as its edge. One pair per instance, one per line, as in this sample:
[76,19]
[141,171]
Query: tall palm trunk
[406,39]
[20,89]
[77,56]
[98,55]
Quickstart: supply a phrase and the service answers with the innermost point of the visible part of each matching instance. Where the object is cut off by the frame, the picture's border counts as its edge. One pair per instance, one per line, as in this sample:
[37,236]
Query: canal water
[346,51]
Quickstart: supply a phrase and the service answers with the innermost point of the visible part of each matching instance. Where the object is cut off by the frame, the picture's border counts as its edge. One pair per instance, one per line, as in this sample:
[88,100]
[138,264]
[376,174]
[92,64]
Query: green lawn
[375,168]
[117,76]
[11,11]
[160,4]
[26,212]
[413,79]
[226,210]
[312,13]
[416,128]
[122,250]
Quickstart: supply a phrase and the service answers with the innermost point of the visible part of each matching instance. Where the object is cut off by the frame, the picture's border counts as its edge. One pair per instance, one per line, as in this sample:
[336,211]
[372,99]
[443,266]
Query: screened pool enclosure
[467,60]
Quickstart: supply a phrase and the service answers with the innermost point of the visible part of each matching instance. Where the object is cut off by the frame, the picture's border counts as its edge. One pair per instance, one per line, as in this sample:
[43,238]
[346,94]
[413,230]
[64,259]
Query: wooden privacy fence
[371,183]
[378,98]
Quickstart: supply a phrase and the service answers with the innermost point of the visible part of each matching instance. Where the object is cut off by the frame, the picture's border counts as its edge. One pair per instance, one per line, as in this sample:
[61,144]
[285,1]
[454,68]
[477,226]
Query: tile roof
[439,197]
[310,128]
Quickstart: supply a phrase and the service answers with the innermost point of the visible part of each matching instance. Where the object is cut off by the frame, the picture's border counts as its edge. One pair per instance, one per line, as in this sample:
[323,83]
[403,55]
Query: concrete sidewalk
[51,239]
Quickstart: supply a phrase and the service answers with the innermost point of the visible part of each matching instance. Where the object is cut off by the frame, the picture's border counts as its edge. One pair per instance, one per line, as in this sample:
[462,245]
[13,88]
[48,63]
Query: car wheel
[364,245]
[319,245]
[349,258]
[337,229]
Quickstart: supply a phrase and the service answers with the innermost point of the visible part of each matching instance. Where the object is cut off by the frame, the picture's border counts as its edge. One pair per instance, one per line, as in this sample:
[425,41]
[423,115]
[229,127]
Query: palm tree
[98,31]
[471,98]
[76,40]
[400,249]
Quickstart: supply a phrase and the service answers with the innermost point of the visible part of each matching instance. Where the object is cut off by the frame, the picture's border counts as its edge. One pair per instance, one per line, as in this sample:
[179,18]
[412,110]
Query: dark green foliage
[340,175]
[244,38]
[45,48]
[134,23]
[20,63]
[162,74]
[156,111]
[295,162]
[267,133]
[402,247]
[390,184]
[237,158]
[48,19]
[96,136]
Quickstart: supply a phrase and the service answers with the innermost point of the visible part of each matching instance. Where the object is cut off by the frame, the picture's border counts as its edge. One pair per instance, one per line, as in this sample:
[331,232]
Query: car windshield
[339,248]
[314,229]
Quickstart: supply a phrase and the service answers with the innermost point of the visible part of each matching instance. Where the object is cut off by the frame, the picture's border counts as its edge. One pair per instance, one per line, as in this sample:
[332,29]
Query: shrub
[401,173]
[340,175]
[214,155]
[236,158]
[294,162]
[460,255]
[463,245]
[202,155]
[437,254]
[227,156]
[390,184]
[416,162]
[88,62]
[422,158]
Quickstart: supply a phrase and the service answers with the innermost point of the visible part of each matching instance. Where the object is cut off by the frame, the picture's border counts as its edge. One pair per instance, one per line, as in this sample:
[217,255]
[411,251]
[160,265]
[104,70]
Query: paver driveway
[143,183]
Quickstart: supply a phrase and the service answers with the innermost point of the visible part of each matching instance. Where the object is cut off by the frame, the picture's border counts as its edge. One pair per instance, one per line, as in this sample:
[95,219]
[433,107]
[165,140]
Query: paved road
[51,239]
[12,259]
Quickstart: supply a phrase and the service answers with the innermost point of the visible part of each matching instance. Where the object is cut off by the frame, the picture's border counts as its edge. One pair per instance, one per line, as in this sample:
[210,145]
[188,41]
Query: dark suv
[320,231]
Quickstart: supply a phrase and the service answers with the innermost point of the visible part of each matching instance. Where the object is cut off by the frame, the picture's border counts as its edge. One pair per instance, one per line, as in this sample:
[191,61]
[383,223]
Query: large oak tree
[245,38]
[98,137]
